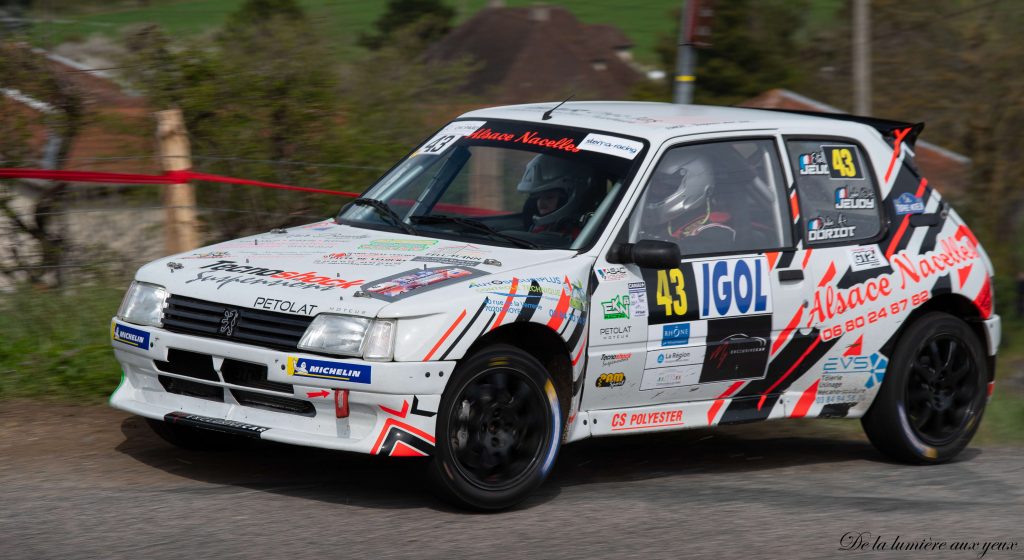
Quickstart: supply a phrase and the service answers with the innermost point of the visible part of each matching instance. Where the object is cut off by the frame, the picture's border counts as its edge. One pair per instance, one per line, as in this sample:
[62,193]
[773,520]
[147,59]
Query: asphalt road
[90,482]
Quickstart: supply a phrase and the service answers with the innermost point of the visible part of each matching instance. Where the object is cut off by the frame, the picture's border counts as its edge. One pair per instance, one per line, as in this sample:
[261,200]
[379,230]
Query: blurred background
[330,93]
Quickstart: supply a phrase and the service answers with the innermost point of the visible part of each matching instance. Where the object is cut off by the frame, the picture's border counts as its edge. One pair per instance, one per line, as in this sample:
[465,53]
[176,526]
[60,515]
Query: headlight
[380,342]
[143,304]
[335,334]
[346,335]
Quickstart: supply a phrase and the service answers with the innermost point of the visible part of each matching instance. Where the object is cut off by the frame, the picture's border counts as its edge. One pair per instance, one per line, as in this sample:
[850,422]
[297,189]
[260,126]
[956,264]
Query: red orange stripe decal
[806,400]
[717,405]
[508,303]
[788,331]
[791,369]
[445,336]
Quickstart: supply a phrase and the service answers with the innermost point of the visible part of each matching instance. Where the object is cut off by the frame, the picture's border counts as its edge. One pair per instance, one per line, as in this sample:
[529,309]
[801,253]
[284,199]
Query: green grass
[57,345]
[341,20]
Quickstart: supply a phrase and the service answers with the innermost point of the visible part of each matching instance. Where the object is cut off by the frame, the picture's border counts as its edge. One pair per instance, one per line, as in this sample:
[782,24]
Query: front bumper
[392,407]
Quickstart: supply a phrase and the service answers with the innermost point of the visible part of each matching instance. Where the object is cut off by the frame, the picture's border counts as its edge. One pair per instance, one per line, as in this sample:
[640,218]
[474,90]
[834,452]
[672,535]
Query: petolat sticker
[825,228]
[733,287]
[326,369]
[854,198]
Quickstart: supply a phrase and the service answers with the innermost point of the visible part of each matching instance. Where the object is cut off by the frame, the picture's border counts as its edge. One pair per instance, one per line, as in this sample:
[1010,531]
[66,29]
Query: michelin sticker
[611,145]
[325,369]
[135,338]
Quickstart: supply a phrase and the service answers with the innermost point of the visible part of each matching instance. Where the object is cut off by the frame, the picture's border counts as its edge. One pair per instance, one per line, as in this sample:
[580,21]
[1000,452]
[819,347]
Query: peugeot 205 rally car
[531,276]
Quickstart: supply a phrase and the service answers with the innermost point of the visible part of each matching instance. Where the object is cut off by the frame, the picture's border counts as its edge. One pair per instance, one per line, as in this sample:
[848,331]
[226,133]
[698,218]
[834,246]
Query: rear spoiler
[887,127]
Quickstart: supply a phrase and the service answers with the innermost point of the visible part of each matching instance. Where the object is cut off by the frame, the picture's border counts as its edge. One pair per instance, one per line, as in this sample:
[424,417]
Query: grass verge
[56,344]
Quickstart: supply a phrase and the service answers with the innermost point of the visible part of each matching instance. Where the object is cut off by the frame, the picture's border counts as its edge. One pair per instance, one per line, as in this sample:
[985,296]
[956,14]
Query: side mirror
[647,253]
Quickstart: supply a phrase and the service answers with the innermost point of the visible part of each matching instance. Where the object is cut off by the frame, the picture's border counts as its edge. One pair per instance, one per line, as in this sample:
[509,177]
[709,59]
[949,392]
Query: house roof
[538,52]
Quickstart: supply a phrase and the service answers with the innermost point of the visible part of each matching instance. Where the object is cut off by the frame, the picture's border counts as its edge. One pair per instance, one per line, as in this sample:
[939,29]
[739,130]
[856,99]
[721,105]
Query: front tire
[499,430]
[934,393]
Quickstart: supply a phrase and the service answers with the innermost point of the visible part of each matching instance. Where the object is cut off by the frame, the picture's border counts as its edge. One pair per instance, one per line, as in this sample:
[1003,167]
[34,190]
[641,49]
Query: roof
[654,121]
[527,53]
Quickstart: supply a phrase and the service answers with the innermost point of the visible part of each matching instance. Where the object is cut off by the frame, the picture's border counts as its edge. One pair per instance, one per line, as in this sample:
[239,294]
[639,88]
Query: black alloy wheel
[934,393]
[941,390]
[498,430]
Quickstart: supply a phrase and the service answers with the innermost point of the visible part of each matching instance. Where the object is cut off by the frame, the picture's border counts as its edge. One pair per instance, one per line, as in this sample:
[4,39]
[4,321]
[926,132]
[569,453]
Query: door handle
[791,275]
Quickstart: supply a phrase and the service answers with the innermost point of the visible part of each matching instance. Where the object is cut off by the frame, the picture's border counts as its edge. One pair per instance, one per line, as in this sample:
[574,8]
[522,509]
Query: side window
[838,198]
[719,197]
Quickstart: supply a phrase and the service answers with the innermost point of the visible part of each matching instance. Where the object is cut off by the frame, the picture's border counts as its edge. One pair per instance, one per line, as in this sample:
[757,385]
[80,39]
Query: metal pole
[861,57]
[686,59]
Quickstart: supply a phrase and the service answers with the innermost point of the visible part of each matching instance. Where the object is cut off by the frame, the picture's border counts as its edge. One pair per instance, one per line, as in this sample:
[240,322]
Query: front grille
[260,328]
[273,402]
[192,388]
[250,375]
[189,364]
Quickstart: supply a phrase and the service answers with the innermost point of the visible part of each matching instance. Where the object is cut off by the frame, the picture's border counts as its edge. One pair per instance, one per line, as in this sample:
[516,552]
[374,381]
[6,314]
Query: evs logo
[135,338]
[675,335]
[734,287]
[324,369]
[875,365]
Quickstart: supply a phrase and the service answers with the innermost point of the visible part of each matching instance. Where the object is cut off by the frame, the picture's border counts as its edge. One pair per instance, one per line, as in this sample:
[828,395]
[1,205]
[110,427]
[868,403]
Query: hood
[321,267]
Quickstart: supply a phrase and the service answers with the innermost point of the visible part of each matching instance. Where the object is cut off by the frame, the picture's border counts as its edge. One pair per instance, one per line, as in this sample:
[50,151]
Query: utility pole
[686,57]
[181,231]
[861,57]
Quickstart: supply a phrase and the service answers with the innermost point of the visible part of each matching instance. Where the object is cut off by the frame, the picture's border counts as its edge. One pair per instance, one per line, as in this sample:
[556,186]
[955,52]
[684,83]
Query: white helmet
[680,186]
[546,173]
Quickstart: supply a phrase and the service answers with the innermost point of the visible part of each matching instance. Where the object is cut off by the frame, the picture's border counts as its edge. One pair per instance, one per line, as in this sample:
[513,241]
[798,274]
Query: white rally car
[531,276]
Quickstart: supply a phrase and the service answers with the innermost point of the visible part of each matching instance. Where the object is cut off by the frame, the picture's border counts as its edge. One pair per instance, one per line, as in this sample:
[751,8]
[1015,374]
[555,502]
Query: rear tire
[931,402]
[499,429]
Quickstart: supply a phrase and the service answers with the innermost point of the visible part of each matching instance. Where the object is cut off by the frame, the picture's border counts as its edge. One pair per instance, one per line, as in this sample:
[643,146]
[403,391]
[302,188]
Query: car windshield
[504,183]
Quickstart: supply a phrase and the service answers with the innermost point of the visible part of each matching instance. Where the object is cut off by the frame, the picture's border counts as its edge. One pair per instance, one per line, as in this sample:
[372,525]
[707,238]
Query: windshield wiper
[477,225]
[386,212]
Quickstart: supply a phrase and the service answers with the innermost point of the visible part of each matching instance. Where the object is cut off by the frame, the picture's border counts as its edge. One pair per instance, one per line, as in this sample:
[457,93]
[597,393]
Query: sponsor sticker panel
[129,336]
[328,369]
[669,377]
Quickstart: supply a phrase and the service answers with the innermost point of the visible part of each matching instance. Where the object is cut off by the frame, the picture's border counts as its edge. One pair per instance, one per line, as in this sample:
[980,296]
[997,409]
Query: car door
[707,323]
[840,226]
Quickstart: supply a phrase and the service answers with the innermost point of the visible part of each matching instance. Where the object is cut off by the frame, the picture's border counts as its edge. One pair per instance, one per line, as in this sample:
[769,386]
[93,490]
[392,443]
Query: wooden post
[181,231]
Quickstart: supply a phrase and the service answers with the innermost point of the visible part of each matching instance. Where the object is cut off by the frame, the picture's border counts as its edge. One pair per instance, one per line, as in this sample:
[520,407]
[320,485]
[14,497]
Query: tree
[753,46]
[29,74]
[433,19]
[266,93]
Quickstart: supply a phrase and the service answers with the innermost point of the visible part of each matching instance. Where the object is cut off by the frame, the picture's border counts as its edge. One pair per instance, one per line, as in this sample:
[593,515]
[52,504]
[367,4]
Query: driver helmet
[680,187]
[547,173]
